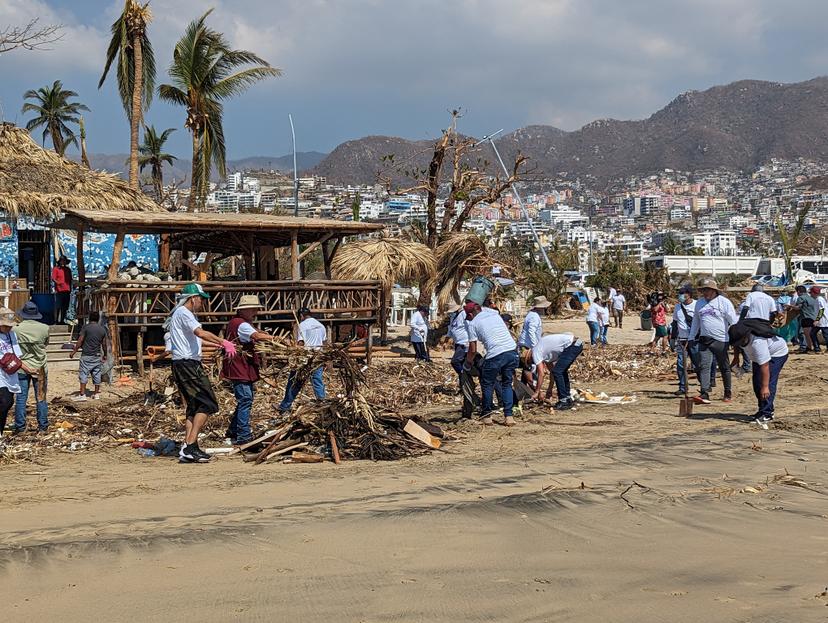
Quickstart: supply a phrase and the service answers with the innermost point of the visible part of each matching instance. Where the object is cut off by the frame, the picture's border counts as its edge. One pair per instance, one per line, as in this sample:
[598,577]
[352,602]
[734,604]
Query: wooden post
[112,324]
[116,255]
[326,260]
[81,301]
[294,256]
[384,315]
[164,253]
[369,344]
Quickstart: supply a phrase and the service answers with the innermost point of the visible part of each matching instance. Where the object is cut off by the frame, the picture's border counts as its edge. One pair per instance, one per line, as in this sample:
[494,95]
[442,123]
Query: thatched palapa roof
[38,182]
[386,259]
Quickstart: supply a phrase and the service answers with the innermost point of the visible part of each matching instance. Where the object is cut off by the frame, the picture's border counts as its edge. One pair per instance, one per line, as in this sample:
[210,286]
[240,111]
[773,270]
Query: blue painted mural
[8,249]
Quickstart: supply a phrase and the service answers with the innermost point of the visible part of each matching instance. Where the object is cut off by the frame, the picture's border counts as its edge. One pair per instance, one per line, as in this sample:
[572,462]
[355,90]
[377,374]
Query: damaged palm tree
[361,430]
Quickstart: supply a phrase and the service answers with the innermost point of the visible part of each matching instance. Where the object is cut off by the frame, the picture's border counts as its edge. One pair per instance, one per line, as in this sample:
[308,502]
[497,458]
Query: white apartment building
[680,213]
[234,182]
[562,216]
[716,242]
[627,245]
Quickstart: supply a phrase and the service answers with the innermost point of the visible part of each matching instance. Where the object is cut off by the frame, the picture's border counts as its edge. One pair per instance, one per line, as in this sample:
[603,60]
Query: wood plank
[304,444]
[421,434]
[334,448]
[306,457]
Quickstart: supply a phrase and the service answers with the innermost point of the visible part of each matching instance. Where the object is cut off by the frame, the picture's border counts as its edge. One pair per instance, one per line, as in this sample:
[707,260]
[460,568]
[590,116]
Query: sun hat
[708,283]
[30,311]
[194,289]
[6,317]
[249,301]
[541,302]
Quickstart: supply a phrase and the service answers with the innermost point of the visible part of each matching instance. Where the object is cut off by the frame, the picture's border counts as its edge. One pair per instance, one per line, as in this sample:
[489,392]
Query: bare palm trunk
[194,190]
[135,121]
[57,140]
[84,156]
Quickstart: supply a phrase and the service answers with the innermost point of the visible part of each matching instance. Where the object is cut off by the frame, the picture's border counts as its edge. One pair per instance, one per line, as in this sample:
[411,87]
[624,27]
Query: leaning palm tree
[151,154]
[205,71]
[54,114]
[135,71]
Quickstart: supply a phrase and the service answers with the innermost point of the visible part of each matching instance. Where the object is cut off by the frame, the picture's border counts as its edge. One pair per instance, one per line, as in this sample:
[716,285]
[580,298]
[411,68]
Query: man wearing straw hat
[186,335]
[33,336]
[10,354]
[243,371]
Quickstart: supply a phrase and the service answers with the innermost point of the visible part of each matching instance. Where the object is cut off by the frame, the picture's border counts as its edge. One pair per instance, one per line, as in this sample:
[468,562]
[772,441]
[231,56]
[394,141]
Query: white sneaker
[96,396]
[79,398]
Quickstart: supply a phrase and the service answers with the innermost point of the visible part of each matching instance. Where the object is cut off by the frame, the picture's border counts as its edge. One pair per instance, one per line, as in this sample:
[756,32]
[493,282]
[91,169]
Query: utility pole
[295,171]
[490,140]
[589,215]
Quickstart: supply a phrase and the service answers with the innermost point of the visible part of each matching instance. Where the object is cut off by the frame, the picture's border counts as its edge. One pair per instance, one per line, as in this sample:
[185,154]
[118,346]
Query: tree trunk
[191,203]
[57,140]
[135,121]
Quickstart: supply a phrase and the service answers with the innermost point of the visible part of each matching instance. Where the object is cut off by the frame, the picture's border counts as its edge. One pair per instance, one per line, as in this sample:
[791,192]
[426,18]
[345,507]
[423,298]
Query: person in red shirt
[62,278]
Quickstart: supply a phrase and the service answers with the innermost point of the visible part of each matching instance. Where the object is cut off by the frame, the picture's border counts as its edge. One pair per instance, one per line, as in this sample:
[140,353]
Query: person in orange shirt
[62,278]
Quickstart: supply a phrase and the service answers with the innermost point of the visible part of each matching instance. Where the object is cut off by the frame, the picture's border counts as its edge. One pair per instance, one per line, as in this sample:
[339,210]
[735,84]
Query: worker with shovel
[243,371]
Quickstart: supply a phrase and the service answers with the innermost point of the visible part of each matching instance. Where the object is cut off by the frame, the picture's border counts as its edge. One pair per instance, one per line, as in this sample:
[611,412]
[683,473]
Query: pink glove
[229,349]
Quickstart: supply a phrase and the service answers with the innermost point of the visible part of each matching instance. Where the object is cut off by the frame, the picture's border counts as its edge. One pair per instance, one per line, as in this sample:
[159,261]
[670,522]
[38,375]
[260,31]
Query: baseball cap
[194,289]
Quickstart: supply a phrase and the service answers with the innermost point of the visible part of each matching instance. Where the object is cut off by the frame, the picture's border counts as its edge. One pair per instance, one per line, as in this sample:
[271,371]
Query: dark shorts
[661,330]
[194,386]
[807,323]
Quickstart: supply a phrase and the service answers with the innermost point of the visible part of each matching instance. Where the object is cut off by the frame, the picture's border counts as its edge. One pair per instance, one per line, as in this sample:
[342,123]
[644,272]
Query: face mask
[682,298]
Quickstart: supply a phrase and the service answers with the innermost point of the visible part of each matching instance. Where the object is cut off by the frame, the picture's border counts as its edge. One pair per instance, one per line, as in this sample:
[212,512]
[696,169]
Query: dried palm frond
[459,255]
[387,259]
[38,182]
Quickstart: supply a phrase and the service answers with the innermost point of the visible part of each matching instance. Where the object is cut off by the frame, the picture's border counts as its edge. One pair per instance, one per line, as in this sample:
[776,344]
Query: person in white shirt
[759,305]
[419,333]
[619,306]
[186,335]
[821,322]
[312,335]
[714,315]
[604,320]
[532,330]
[769,353]
[9,383]
[595,321]
[682,320]
[487,330]
[556,353]
[459,334]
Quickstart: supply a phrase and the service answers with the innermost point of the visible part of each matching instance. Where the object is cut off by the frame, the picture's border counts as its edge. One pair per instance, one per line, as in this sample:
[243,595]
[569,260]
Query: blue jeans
[503,365]
[560,371]
[42,408]
[693,352]
[603,333]
[775,365]
[815,331]
[594,332]
[293,388]
[244,391]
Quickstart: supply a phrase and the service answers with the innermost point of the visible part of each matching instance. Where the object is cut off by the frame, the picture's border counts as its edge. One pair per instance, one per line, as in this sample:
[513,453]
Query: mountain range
[737,126]
[305,160]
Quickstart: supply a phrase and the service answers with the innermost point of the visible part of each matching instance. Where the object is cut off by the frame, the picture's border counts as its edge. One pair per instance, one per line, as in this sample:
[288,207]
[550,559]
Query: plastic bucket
[480,290]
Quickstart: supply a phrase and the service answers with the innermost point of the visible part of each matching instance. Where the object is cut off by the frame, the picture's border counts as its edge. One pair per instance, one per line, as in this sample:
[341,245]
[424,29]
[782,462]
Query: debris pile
[632,363]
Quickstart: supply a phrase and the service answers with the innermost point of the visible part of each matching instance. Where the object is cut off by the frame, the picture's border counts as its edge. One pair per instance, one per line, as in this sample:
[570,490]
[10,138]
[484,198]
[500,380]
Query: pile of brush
[630,363]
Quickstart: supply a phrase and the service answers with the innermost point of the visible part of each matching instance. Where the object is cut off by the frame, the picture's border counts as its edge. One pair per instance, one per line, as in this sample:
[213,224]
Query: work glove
[229,349]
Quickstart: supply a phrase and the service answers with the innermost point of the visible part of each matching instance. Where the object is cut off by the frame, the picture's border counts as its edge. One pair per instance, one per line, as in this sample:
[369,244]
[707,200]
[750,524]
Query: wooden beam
[326,260]
[314,246]
[116,255]
[81,302]
[294,256]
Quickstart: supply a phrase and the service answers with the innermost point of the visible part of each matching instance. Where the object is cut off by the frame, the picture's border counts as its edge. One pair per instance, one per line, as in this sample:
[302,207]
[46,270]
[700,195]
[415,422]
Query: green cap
[193,289]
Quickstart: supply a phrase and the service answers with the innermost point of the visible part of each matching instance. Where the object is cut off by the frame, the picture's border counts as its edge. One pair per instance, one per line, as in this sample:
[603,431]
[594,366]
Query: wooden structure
[134,308]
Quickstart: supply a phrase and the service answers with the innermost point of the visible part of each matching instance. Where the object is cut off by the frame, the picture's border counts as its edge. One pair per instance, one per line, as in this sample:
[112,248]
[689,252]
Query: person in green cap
[186,335]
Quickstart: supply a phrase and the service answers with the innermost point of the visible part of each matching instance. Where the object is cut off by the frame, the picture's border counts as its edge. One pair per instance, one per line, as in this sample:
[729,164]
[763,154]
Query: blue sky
[359,67]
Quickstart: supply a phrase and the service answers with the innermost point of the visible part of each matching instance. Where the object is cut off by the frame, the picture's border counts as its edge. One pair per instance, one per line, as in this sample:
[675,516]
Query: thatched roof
[39,183]
[386,259]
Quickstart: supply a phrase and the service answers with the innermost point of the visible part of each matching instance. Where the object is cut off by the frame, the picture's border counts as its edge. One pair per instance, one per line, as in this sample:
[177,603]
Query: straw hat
[541,302]
[7,317]
[249,301]
[707,282]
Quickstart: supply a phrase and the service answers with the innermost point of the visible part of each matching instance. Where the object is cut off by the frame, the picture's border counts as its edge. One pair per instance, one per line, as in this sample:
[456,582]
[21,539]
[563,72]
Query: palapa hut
[36,186]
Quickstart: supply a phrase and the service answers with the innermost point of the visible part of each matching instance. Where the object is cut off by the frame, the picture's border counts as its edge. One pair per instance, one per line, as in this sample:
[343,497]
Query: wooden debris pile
[622,362]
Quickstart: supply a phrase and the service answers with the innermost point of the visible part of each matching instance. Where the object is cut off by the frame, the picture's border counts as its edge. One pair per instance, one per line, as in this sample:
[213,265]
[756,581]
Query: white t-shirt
[312,333]
[681,319]
[183,341]
[619,302]
[489,330]
[246,331]
[713,319]
[458,331]
[419,327]
[532,330]
[603,315]
[763,349]
[593,312]
[823,305]
[8,344]
[612,294]
[551,346]
[759,305]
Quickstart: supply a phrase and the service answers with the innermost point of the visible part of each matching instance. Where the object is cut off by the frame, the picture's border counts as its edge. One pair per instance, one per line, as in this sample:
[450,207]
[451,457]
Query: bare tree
[32,36]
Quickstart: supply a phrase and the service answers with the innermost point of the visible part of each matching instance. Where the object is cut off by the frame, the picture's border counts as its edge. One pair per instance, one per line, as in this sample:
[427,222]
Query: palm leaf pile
[388,259]
[459,256]
[38,182]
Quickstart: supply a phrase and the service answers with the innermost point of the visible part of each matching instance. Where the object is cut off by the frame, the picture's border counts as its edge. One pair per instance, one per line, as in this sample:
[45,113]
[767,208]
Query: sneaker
[727,399]
[198,452]
[701,399]
[761,422]
[80,398]
[487,420]
[96,396]
[192,454]
[509,421]
[679,392]
[563,405]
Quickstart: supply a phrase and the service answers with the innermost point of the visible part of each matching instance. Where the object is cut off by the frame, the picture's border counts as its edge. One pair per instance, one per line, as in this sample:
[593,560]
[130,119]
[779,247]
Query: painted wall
[97,250]
[8,248]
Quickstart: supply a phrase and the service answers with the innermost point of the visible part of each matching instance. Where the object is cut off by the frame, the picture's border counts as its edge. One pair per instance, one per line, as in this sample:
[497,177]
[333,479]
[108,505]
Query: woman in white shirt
[419,333]
[9,385]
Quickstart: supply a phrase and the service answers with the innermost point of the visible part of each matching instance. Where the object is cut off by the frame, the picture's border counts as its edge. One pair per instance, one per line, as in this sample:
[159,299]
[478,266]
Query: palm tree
[205,71]
[151,154]
[135,71]
[54,113]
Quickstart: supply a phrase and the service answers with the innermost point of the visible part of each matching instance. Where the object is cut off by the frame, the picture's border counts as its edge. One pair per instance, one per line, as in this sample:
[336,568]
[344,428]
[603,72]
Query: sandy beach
[606,513]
